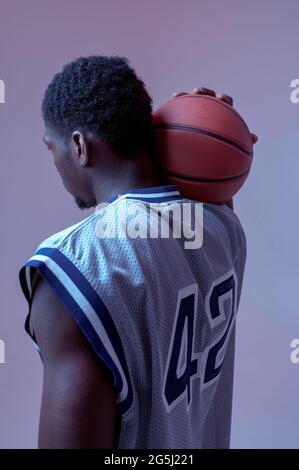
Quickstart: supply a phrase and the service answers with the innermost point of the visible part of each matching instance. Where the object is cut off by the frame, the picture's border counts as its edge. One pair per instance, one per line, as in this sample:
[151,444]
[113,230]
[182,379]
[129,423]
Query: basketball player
[136,334]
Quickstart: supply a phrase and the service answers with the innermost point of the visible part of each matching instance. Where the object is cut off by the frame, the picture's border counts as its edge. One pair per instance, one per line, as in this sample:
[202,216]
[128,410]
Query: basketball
[202,145]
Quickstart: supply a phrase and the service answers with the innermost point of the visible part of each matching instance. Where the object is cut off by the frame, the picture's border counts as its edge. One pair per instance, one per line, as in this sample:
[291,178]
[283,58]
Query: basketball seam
[198,130]
[206,180]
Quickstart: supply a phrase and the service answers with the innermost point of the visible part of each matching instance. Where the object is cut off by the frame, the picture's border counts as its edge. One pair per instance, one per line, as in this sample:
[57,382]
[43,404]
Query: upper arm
[79,400]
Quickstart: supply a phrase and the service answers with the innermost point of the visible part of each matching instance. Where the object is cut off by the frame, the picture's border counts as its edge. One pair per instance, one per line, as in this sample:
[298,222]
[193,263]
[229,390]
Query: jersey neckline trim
[152,194]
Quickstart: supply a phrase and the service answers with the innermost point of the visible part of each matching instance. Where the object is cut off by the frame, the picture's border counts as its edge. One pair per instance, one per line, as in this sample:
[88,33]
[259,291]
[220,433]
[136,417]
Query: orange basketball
[203,146]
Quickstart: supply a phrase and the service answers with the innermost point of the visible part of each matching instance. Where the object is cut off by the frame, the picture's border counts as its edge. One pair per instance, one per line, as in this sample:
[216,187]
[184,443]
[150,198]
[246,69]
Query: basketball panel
[185,153]
[216,193]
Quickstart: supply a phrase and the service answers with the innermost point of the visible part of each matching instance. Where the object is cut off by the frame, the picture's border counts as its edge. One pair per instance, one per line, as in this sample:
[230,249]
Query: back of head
[102,95]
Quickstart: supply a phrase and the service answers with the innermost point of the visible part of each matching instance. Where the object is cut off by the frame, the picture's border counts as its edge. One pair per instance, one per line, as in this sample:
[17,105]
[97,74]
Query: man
[136,334]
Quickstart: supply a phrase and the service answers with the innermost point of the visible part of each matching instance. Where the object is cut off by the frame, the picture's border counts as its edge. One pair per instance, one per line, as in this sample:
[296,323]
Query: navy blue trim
[93,298]
[79,316]
[23,282]
[156,199]
[112,199]
[152,190]
[24,286]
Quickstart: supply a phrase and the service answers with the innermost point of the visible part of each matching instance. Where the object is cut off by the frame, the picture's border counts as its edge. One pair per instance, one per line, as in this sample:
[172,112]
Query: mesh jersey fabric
[159,316]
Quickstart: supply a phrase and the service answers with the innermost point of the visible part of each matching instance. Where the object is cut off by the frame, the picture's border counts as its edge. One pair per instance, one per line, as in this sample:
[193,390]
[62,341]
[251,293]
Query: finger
[254,138]
[226,98]
[204,91]
[179,94]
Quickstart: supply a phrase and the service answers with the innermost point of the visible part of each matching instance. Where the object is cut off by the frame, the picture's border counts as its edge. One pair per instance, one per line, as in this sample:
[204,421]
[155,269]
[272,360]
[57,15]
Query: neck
[127,174]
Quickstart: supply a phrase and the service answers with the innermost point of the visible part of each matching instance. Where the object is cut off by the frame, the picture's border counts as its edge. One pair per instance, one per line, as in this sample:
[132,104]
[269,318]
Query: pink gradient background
[246,49]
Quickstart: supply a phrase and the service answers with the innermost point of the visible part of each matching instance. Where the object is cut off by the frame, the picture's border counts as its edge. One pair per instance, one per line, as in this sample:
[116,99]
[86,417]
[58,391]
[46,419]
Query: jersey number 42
[183,363]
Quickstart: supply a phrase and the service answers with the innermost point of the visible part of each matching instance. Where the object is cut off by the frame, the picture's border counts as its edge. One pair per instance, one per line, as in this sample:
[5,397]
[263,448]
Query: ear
[80,145]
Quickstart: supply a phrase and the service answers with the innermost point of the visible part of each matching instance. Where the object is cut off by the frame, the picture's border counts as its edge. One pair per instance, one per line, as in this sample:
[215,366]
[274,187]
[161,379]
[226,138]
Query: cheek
[67,172]
[60,164]
[60,167]
[56,162]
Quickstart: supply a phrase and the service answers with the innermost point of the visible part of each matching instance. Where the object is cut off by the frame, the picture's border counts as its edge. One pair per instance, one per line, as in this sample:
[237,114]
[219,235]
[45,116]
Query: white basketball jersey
[158,311]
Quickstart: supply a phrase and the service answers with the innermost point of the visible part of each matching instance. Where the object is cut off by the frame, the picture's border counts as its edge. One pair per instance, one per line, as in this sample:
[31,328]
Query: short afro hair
[103,95]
